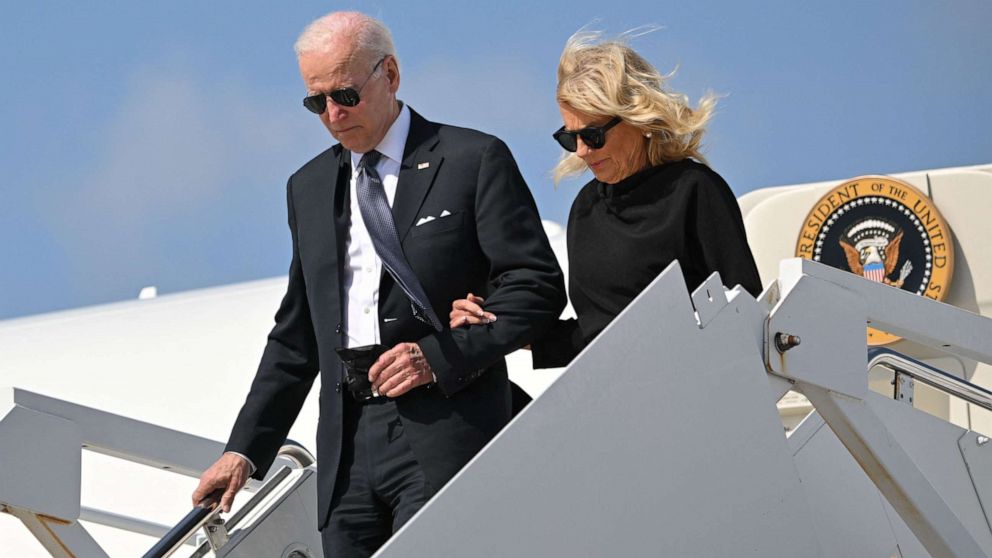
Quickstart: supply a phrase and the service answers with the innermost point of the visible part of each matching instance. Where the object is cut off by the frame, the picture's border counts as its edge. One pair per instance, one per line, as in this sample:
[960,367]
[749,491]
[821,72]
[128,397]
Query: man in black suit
[465,222]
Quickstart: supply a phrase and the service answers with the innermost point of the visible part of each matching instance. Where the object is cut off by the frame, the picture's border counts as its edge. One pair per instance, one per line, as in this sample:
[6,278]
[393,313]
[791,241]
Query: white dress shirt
[362,267]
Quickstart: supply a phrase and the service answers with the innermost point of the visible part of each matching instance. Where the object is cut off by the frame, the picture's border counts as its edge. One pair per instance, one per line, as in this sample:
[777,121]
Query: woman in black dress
[653,199]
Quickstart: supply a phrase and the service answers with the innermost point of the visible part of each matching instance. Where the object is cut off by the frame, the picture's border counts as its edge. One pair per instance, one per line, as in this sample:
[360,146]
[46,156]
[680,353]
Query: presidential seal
[884,230]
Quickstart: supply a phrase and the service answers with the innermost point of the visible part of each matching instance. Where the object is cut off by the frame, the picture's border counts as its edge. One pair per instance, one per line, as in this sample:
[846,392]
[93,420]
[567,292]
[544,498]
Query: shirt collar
[394,142]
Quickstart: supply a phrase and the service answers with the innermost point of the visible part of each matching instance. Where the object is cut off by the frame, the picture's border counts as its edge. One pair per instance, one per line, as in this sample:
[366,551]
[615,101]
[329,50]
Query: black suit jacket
[492,243]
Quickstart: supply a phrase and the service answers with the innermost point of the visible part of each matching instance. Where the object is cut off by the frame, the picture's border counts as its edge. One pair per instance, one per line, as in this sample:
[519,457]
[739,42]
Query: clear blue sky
[148,143]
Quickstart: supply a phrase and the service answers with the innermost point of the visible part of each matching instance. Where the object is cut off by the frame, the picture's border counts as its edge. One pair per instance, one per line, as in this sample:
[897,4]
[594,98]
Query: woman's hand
[468,311]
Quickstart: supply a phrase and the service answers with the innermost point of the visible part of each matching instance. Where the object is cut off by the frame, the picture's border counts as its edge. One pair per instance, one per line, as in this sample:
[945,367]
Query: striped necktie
[378,219]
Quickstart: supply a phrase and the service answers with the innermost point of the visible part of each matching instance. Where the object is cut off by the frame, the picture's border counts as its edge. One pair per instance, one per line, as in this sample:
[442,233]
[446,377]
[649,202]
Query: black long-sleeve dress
[622,236]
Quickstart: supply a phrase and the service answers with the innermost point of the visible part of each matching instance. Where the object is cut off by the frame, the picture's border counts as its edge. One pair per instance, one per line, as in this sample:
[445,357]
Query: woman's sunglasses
[346,96]
[594,137]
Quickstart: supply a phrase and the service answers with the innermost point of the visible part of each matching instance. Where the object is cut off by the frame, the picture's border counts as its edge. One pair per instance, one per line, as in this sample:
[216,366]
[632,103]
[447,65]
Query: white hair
[368,36]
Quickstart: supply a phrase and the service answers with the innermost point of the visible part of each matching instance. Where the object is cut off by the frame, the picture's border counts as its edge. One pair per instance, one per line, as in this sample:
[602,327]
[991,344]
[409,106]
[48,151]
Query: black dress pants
[380,485]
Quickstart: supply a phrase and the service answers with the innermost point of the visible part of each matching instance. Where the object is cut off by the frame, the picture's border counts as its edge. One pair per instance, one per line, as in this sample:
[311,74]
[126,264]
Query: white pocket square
[430,218]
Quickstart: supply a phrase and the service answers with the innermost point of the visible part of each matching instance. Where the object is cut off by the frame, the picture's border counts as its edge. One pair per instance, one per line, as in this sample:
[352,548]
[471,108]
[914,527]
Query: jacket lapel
[322,207]
[419,167]
[322,213]
[342,214]
[342,201]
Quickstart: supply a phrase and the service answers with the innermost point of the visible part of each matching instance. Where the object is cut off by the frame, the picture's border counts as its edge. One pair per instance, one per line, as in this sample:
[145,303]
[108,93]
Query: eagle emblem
[884,230]
[871,247]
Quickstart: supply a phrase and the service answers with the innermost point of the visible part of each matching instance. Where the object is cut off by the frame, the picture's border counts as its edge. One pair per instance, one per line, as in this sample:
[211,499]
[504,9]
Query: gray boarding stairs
[661,439]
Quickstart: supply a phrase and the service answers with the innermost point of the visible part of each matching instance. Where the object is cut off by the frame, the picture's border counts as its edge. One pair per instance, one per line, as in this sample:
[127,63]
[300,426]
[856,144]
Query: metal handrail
[297,453]
[930,375]
[293,451]
[176,536]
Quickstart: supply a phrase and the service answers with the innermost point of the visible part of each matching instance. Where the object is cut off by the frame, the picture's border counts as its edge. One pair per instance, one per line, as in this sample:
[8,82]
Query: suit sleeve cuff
[442,354]
[251,464]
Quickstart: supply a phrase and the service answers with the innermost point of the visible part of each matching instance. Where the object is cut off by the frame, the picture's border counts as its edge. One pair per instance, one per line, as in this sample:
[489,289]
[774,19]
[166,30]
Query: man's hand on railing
[225,477]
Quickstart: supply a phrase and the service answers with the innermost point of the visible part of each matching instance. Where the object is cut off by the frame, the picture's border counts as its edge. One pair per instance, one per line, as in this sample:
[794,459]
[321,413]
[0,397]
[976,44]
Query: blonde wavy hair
[608,78]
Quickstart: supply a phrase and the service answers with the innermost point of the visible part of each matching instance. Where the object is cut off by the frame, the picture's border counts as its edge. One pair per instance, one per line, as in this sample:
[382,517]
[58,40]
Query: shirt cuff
[251,465]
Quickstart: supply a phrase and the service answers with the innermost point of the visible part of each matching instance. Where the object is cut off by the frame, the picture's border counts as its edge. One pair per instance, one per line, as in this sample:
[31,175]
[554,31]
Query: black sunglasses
[346,96]
[594,137]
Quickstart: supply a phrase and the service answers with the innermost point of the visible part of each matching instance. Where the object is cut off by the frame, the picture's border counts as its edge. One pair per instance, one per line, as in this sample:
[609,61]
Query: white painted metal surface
[619,458]
[41,444]
[852,518]
[34,448]
[835,384]
[41,440]
[617,473]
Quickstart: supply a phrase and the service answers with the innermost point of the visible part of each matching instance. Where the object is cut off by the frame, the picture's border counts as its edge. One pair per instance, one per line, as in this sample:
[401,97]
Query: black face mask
[357,362]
